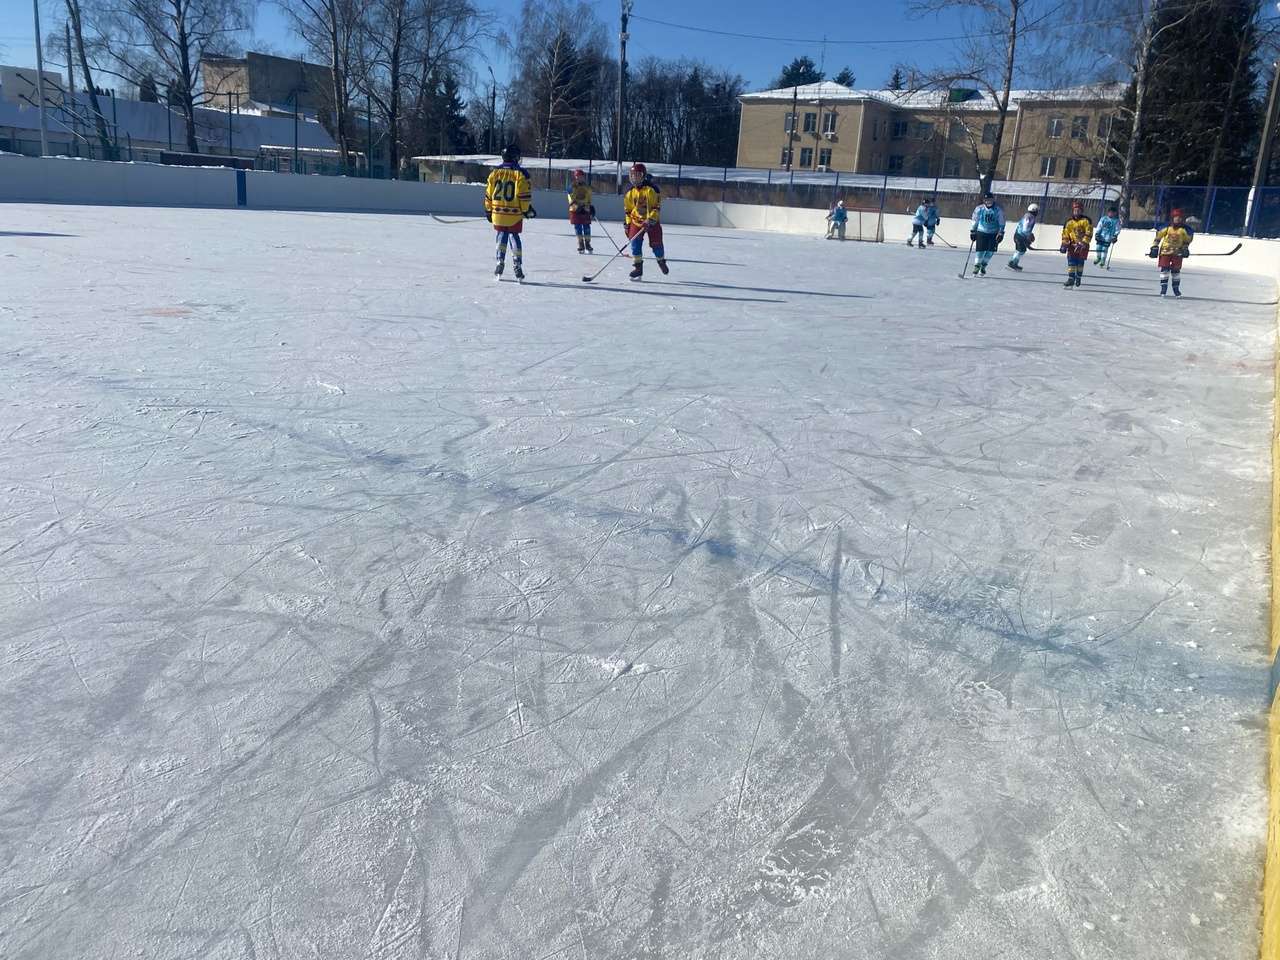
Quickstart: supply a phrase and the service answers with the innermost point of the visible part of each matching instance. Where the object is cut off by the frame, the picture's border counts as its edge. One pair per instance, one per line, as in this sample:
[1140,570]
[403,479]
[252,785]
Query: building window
[1104,125]
[1071,170]
[956,132]
[1055,127]
[788,123]
[920,166]
[923,131]
[989,133]
[1048,165]
[900,129]
[1079,128]
[786,157]
[806,156]
[810,122]
[824,157]
[950,167]
[828,123]
[896,161]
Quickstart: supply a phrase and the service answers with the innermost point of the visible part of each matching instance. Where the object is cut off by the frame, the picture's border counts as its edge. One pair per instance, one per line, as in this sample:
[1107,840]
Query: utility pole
[791,130]
[368,116]
[623,37]
[44,129]
[1263,166]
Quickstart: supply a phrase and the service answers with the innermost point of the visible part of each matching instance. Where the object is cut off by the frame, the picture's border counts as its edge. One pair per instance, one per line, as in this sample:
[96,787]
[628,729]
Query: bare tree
[75,22]
[331,28]
[1005,40]
[404,47]
[168,37]
[560,55]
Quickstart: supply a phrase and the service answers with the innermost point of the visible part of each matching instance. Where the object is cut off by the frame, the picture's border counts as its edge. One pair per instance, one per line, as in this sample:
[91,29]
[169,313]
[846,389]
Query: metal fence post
[835,191]
[1213,200]
[884,194]
[724,183]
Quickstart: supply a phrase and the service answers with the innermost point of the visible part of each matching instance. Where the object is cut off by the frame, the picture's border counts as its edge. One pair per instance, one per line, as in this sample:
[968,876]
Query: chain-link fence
[1212,209]
[275,159]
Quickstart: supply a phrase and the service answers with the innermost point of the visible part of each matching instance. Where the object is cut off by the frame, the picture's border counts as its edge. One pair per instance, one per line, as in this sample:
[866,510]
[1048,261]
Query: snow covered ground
[808,603]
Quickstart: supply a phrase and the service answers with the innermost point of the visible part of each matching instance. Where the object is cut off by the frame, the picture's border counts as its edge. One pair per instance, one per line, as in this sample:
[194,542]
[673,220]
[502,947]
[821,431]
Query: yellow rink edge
[1270,949]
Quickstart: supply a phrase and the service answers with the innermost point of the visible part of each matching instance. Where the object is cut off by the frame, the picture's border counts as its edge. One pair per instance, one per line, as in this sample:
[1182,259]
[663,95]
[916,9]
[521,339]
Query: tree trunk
[339,91]
[188,80]
[99,122]
[393,104]
[1011,48]
[1139,95]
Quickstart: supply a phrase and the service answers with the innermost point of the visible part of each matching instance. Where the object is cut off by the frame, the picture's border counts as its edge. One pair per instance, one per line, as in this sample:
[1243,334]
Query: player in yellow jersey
[640,208]
[1172,244]
[581,210]
[1076,234]
[507,204]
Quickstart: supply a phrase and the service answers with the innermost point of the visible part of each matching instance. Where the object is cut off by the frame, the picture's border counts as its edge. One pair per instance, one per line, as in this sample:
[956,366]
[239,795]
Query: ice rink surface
[808,603]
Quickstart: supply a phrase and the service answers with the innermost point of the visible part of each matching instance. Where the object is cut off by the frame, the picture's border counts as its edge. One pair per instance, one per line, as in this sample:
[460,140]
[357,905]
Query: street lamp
[623,37]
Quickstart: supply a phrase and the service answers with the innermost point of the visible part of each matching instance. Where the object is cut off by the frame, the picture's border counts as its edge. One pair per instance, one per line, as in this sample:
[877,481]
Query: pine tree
[897,81]
[1200,112]
[800,71]
[845,77]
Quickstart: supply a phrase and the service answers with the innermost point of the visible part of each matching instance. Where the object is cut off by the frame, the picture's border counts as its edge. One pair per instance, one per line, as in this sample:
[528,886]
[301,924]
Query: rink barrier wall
[70,180]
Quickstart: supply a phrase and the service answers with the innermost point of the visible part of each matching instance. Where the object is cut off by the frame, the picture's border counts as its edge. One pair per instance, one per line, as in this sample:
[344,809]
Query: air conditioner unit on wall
[823,168]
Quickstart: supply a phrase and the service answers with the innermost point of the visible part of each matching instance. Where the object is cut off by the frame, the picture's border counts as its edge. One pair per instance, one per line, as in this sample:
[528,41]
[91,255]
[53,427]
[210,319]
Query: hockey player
[507,205]
[1076,234]
[837,219]
[986,231]
[1171,247]
[1108,232]
[917,223]
[1024,235]
[640,209]
[581,210]
[931,218]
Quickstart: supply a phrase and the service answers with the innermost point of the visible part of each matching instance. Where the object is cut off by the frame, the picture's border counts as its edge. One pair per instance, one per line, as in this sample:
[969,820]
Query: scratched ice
[807,603]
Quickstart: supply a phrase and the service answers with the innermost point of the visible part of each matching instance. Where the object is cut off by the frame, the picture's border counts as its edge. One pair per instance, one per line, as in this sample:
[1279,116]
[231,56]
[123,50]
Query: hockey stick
[964,271]
[944,240]
[587,279]
[1227,254]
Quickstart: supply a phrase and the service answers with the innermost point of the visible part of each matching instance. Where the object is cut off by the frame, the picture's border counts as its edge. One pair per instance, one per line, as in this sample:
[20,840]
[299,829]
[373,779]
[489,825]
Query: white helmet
[1034,208]
[839,203]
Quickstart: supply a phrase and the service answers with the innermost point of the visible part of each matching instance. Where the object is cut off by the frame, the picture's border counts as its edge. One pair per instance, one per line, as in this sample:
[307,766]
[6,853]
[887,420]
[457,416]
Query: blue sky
[758,61]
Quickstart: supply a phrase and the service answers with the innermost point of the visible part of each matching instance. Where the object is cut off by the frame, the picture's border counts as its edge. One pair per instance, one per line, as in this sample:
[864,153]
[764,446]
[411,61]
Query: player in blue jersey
[986,231]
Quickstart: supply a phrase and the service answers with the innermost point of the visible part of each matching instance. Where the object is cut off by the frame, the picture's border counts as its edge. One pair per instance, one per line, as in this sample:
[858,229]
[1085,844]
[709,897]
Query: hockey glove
[573,208]
[592,209]
[1062,248]
[1184,254]
[973,235]
[1153,252]
[531,214]
[999,238]
[488,216]
[1031,238]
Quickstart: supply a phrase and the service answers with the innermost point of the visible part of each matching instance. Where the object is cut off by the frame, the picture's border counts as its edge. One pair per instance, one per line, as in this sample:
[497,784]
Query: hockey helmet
[1176,213]
[1033,208]
[639,171]
[579,175]
[511,153]
[1077,205]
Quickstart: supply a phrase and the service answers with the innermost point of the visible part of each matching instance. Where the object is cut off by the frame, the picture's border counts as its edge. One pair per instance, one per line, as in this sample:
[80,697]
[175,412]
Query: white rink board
[808,603]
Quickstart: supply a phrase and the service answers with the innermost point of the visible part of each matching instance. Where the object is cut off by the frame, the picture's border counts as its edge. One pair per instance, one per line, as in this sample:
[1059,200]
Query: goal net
[864,223]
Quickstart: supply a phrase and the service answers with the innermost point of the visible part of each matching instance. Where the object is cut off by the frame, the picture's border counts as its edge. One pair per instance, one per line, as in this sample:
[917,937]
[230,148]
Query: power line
[1102,21]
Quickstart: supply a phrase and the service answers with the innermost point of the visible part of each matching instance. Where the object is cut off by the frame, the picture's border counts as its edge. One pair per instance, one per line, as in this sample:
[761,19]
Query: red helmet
[1077,205]
[1175,213]
[579,174]
[639,170]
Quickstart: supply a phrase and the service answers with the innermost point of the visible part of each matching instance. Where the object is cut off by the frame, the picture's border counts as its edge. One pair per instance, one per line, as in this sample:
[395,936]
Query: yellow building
[1049,134]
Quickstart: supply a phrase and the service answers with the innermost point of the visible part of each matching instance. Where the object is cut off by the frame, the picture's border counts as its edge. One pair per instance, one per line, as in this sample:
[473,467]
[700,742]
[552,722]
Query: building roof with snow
[933,99]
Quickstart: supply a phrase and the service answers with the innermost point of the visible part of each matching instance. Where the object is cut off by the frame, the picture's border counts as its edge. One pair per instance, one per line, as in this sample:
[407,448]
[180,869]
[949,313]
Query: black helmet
[511,154]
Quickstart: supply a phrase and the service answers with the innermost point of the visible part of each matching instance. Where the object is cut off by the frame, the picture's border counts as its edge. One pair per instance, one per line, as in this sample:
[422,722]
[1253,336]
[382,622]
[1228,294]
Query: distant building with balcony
[1057,135]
